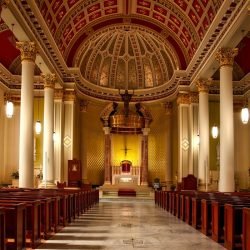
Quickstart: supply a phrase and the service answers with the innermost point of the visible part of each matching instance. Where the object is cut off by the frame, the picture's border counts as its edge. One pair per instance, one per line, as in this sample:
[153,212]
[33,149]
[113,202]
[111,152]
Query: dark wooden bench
[2,229]
[246,229]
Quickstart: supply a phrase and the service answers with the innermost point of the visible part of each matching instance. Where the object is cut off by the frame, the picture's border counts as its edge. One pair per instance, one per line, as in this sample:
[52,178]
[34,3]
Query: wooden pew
[246,229]
[15,215]
[2,229]
[233,225]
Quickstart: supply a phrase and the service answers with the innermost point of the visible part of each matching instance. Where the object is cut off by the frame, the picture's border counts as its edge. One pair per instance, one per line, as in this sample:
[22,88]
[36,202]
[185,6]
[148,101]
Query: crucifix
[125,150]
[126,98]
[125,146]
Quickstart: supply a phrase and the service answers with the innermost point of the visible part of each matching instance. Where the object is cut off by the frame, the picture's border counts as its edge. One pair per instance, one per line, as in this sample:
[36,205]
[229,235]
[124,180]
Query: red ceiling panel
[109,3]
[183,39]
[144,3]
[78,17]
[95,16]
[111,11]
[159,17]
[182,4]
[67,30]
[44,9]
[143,11]
[205,23]
[57,4]
[72,2]
[80,25]
[198,8]
[8,51]
[175,20]
[61,14]
[204,2]
[173,27]
[160,10]
[93,8]
[210,14]
[186,33]
[193,17]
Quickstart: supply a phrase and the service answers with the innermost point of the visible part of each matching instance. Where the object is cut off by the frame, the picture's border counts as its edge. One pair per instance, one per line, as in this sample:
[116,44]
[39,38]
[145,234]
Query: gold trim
[203,85]
[28,50]
[49,80]
[225,56]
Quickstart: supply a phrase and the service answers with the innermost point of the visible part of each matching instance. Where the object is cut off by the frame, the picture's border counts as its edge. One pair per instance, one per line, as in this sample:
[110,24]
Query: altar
[125,174]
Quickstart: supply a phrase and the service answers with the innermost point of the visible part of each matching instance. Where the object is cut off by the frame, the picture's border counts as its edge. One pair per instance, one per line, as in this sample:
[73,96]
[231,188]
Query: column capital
[28,50]
[168,108]
[106,130]
[203,85]
[58,94]
[225,56]
[194,97]
[69,95]
[183,98]
[49,80]
[145,131]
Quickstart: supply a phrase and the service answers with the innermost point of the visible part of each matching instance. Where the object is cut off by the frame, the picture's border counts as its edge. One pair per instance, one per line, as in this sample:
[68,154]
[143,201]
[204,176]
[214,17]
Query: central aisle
[129,224]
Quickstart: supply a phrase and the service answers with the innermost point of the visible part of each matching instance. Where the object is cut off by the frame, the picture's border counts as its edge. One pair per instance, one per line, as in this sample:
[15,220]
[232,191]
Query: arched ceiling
[183,23]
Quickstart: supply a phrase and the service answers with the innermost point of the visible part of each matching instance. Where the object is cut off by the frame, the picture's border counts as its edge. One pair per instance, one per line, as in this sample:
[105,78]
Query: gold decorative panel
[157,161]
[92,145]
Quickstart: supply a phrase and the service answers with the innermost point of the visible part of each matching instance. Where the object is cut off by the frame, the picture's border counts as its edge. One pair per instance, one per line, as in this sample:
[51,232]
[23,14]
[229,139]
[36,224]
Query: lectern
[74,173]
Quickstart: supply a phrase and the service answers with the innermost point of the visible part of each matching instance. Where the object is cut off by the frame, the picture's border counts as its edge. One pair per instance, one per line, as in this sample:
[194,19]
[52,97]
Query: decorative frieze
[194,97]
[69,95]
[28,50]
[58,94]
[49,80]
[83,105]
[183,98]
[168,108]
[225,56]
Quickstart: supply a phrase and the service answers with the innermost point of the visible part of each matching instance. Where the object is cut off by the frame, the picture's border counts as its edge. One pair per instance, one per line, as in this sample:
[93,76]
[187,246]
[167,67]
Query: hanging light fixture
[244,115]
[9,109]
[38,124]
[215,132]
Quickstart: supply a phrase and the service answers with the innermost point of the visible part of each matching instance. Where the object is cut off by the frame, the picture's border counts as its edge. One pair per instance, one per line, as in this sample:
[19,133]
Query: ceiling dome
[126,57]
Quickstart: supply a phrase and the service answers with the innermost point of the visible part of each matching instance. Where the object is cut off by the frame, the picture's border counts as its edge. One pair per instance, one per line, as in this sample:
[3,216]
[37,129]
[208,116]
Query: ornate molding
[69,95]
[168,108]
[194,97]
[225,56]
[83,105]
[28,50]
[183,98]
[203,85]
[49,80]
[58,94]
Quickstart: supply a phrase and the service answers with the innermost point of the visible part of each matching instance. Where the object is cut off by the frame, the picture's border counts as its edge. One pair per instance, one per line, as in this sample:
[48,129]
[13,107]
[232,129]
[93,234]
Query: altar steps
[140,194]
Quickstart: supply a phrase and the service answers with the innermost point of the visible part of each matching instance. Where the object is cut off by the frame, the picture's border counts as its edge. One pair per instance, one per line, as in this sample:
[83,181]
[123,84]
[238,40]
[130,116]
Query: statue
[126,97]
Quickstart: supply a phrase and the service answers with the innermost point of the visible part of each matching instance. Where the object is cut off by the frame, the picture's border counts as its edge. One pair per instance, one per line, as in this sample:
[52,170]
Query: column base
[47,184]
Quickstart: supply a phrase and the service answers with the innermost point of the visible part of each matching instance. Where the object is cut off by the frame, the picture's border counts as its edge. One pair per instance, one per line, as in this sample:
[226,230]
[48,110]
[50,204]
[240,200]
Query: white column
[58,129]
[225,56]
[26,143]
[48,144]
[168,170]
[203,169]
[194,134]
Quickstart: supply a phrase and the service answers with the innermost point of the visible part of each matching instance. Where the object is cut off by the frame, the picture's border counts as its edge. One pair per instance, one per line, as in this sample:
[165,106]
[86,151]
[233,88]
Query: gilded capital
[183,98]
[69,95]
[58,94]
[49,80]
[225,56]
[203,85]
[28,50]
[194,97]
[168,108]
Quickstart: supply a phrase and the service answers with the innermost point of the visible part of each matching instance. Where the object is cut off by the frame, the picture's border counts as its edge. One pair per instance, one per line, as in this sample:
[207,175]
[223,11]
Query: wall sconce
[244,115]
[9,109]
[197,140]
[38,124]
[54,136]
[215,132]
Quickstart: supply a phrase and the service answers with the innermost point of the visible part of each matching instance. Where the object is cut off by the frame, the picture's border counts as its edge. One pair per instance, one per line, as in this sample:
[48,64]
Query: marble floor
[128,224]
